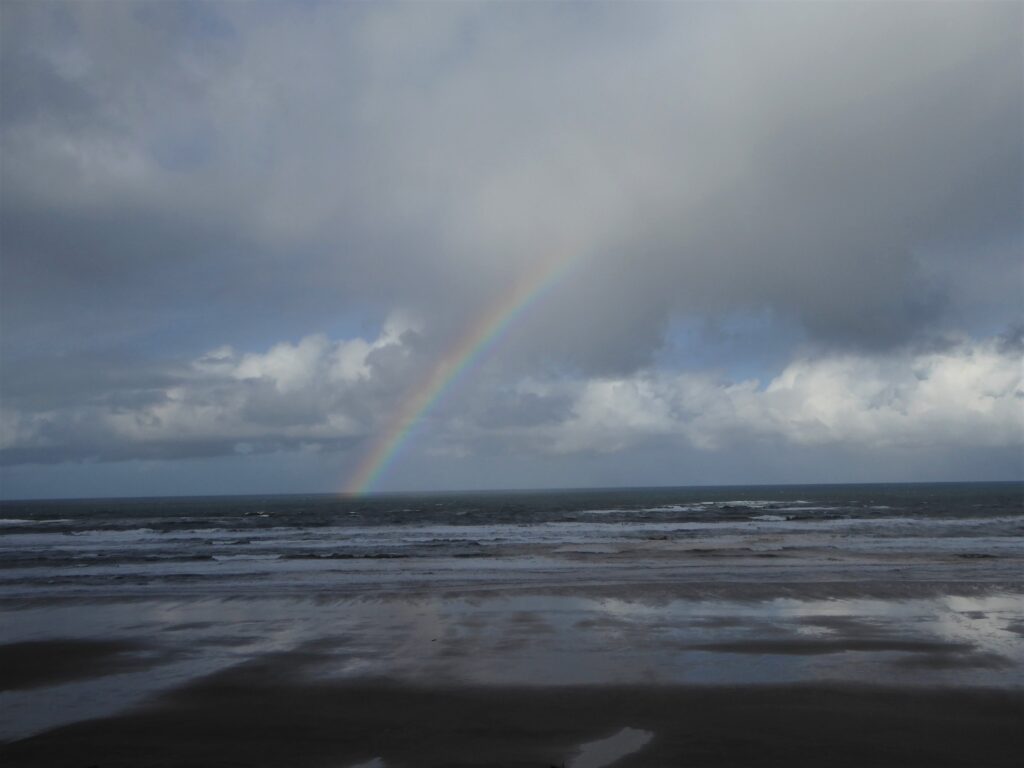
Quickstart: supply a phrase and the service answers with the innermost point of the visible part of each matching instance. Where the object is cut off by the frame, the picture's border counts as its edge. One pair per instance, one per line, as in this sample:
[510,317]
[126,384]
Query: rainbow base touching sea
[481,336]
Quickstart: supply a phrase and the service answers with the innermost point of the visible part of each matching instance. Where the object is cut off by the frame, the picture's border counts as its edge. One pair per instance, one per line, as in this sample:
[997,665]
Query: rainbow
[481,336]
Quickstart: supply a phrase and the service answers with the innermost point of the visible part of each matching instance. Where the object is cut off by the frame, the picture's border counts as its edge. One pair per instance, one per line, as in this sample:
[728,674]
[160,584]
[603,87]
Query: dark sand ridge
[48,662]
[272,711]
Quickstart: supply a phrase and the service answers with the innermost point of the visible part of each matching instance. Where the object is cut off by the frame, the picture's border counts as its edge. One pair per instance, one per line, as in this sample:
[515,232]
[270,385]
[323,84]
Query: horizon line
[524,490]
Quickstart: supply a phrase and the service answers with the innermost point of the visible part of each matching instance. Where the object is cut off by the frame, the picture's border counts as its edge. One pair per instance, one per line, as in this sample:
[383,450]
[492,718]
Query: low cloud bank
[326,394]
[970,395]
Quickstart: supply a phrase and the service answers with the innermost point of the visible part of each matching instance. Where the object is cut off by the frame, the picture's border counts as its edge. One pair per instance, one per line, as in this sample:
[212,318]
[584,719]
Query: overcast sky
[237,238]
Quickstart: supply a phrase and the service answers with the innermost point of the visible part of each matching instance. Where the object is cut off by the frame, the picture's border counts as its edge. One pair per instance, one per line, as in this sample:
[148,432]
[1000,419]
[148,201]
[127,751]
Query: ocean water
[324,543]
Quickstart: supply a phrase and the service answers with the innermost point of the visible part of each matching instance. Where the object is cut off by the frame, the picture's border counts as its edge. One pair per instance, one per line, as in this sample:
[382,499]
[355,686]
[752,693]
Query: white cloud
[314,390]
[319,391]
[314,360]
[969,395]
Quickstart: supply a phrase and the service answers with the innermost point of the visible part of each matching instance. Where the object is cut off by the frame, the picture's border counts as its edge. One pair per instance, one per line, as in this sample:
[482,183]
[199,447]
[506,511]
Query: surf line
[479,338]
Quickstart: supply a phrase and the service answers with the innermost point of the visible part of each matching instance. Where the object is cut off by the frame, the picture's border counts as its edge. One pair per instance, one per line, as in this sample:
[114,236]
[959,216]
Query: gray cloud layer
[321,393]
[178,177]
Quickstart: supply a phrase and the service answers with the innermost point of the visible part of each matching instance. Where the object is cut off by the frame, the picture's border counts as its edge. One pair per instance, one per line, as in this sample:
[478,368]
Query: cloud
[969,395]
[331,394]
[814,161]
[181,177]
[316,391]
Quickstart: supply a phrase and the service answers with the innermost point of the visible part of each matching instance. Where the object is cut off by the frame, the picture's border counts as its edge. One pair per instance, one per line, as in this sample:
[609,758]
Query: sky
[331,247]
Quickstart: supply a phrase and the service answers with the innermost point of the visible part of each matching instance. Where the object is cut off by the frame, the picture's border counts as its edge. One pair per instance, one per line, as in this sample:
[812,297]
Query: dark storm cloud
[119,381]
[797,157]
[862,140]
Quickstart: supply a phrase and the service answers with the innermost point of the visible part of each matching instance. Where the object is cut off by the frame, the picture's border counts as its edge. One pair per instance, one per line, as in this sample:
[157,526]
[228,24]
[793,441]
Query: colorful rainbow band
[483,335]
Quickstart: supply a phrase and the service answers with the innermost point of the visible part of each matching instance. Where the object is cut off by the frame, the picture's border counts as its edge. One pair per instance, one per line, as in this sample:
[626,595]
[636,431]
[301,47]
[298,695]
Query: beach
[689,629]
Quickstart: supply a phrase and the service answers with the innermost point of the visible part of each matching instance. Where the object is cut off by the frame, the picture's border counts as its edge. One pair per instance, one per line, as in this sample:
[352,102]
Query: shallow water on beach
[532,639]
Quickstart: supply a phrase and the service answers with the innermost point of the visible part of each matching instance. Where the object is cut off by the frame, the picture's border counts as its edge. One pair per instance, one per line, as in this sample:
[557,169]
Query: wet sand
[271,711]
[428,706]
[28,665]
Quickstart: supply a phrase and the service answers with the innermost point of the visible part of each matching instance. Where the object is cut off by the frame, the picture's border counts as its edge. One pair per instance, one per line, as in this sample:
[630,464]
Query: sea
[324,543]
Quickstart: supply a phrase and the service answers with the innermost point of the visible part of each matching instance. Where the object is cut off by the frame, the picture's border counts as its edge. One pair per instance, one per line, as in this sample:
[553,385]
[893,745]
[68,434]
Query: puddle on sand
[597,754]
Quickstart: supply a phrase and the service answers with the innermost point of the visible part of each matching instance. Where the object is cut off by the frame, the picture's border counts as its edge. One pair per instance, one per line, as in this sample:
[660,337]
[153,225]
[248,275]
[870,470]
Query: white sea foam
[752,503]
[805,509]
[17,521]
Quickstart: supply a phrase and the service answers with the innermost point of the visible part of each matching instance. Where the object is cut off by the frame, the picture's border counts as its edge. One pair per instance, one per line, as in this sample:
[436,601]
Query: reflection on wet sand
[597,754]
